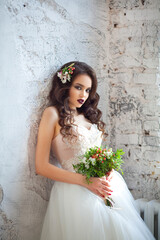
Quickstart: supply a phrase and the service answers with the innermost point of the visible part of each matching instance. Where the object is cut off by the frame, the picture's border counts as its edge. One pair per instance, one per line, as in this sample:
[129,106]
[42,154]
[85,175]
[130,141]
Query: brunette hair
[59,96]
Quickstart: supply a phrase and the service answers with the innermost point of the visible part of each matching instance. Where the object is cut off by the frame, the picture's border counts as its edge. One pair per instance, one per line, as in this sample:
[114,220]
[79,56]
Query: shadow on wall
[7,228]
[37,183]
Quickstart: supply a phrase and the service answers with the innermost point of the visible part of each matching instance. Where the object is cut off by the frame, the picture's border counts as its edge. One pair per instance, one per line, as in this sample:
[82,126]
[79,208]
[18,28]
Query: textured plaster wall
[134,87]
[36,38]
[120,40]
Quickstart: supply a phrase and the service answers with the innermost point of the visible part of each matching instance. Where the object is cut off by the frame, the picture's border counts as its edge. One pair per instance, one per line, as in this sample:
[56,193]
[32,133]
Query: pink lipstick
[81,101]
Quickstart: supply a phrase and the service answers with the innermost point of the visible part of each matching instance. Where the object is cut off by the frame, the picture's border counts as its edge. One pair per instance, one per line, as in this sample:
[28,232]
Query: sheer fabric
[75,213]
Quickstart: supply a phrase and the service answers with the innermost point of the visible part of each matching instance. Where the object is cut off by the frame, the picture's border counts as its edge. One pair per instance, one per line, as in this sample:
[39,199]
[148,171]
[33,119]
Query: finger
[107,190]
[109,177]
[110,172]
[106,183]
[106,193]
[107,187]
[99,194]
[103,194]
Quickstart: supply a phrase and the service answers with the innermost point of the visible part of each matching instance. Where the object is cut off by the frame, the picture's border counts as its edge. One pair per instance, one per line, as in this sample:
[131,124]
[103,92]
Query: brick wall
[133,80]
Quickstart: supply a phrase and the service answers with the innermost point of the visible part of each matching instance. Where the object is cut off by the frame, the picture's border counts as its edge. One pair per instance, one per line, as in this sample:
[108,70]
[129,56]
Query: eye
[88,90]
[78,87]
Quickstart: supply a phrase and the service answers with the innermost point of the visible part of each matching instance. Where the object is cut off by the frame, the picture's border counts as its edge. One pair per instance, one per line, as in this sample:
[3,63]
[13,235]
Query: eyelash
[79,88]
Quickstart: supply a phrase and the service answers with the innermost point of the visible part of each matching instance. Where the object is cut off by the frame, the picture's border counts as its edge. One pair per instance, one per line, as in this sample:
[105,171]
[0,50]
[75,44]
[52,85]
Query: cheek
[87,95]
[72,93]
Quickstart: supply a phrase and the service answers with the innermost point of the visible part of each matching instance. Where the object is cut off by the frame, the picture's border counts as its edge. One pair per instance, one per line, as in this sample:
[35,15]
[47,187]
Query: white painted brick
[127,61]
[124,78]
[154,133]
[134,50]
[125,6]
[129,126]
[151,125]
[133,42]
[136,153]
[152,156]
[135,90]
[152,141]
[127,139]
[143,14]
[153,167]
[151,93]
[124,33]
[150,62]
[150,109]
[144,78]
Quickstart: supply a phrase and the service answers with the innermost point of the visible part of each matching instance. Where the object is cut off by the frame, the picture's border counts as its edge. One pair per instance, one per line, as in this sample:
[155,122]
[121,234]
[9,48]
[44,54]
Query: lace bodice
[68,153]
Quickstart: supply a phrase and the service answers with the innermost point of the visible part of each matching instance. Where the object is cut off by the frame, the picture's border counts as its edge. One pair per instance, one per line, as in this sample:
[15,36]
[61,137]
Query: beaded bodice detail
[68,153]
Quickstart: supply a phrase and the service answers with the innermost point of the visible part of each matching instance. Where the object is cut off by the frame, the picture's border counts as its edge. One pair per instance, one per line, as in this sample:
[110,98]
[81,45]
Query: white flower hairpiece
[66,73]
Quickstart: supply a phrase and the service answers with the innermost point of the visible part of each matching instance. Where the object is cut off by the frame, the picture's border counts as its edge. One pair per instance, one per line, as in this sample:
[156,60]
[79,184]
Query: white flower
[109,152]
[93,161]
[87,165]
[59,74]
[69,78]
[64,80]
[83,160]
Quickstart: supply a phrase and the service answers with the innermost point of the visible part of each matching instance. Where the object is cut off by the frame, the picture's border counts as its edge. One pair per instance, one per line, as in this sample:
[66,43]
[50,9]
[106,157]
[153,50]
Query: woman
[71,124]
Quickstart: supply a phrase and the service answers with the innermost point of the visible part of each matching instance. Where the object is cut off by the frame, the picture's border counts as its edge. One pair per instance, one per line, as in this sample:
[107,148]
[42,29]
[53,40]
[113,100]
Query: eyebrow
[81,85]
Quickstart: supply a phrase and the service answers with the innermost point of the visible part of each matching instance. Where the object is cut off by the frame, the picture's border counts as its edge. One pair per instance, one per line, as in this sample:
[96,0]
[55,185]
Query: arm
[46,133]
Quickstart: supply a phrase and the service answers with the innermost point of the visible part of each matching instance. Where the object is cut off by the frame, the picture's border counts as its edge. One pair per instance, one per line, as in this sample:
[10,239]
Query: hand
[109,175]
[99,186]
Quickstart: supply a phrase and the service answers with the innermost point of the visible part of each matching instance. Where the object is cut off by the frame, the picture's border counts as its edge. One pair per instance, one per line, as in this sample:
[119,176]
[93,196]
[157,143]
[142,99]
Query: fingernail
[109,193]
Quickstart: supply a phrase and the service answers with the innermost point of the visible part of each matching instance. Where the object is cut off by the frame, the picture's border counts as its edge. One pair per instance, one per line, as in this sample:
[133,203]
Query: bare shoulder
[51,113]
[48,123]
[50,117]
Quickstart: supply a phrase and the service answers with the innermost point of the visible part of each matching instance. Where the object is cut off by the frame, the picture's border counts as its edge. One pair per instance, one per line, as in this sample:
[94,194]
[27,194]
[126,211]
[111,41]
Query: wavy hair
[59,98]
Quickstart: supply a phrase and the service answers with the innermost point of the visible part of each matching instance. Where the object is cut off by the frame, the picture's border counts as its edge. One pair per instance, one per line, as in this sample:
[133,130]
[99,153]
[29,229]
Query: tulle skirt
[75,213]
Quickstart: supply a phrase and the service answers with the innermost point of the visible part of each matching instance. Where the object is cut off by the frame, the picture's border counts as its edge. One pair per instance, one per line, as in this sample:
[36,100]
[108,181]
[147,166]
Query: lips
[81,101]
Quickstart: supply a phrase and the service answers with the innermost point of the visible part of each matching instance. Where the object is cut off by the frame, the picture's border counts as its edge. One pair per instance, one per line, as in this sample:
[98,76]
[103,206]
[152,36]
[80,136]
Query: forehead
[84,80]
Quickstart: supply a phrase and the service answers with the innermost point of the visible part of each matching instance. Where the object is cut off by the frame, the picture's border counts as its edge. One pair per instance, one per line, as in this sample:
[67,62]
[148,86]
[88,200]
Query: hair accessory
[66,73]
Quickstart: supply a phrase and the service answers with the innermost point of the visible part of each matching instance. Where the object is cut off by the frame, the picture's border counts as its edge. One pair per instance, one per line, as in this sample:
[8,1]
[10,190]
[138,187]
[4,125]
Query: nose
[83,94]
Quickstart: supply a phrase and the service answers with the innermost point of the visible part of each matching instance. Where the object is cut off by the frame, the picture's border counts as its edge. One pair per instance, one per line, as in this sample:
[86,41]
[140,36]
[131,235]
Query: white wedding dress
[76,213]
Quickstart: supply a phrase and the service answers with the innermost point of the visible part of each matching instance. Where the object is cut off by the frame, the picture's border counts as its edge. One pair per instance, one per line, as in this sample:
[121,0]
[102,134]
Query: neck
[76,113]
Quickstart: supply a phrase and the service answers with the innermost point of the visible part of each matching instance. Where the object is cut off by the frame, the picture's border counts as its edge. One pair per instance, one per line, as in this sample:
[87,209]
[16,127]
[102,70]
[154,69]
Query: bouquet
[98,162]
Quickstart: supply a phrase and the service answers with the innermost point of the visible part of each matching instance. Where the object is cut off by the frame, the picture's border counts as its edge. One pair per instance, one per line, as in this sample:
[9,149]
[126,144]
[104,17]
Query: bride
[71,124]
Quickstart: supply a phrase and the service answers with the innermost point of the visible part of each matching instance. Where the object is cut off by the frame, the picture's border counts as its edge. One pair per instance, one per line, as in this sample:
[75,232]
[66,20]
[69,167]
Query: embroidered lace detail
[86,138]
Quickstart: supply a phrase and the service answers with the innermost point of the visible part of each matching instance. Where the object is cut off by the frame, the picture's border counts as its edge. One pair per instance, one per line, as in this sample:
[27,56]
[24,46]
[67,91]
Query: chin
[80,106]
